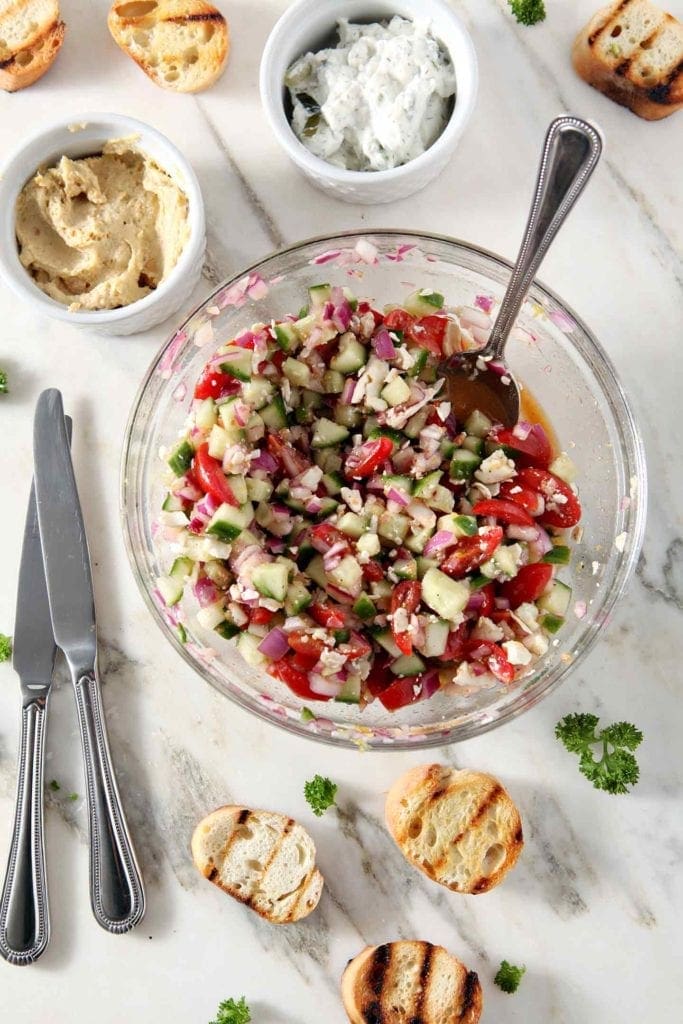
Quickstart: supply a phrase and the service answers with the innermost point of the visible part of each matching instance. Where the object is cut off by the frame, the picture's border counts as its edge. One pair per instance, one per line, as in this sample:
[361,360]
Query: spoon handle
[570,154]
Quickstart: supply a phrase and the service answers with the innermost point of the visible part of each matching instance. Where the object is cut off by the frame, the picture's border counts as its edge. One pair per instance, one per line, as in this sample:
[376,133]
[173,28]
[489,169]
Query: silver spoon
[570,154]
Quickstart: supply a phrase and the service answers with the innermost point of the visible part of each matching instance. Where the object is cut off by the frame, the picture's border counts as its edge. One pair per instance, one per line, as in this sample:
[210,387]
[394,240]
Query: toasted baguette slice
[181,44]
[31,35]
[261,858]
[459,827]
[633,52]
[410,983]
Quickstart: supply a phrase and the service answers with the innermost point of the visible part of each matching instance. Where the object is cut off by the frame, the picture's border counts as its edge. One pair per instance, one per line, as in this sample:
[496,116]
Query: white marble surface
[594,907]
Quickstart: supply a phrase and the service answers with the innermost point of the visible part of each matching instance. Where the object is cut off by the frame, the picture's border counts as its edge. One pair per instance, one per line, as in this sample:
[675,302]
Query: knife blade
[24,907]
[116,890]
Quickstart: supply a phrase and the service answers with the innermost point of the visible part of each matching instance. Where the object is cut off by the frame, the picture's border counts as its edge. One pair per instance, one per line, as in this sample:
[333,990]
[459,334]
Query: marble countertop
[594,907]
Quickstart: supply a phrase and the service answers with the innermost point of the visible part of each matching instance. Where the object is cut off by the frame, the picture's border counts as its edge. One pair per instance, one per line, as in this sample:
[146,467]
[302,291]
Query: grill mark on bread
[243,816]
[609,18]
[425,976]
[470,988]
[660,93]
[493,795]
[213,874]
[180,19]
[378,967]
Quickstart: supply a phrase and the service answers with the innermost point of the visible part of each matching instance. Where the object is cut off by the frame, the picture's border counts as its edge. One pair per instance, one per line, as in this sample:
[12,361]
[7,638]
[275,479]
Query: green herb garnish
[509,977]
[320,794]
[231,1012]
[617,768]
[528,12]
[5,647]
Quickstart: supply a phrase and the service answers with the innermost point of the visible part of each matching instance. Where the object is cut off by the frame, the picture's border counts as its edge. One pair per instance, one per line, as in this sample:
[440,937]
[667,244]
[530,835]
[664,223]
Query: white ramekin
[81,136]
[307,25]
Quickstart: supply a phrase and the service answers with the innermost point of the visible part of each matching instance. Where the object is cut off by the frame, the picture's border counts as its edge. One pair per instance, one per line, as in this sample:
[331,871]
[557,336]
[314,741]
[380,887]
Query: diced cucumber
[237,362]
[370,425]
[479,580]
[228,522]
[416,423]
[327,507]
[478,424]
[552,623]
[352,525]
[393,527]
[227,630]
[461,526]
[181,569]
[247,645]
[463,464]
[172,503]
[507,559]
[564,467]
[424,565]
[415,542]
[287,337]
[327,433]
[350,691]
[328,460]
[342,636]
[474,444]
[258,490]
[421,355]
[238,486]
[181,457]
[386,640]
[211,616]
[333,382]
[218,442]
[559,555]
[396,392]
[319,294]
[425,487]
[557,601]
[447,447]
[255,428]
[206,414]
[407,665]
[423,302]
[380,589]
[441,500]
[394,435]
[298,598]
[170,589]
[364,608]
[436,638]
[333,483]
[350,357]
[369,543]
[406,568]
[316,570]
[348,415]
[445,596]
[258,392]
[348,576]
[399,483]
[274,415]
[271,580]
[297,372]
[311,399]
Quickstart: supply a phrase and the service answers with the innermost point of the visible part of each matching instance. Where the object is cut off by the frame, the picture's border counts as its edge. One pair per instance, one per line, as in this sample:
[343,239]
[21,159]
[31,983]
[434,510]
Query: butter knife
[116,890]
[24,912]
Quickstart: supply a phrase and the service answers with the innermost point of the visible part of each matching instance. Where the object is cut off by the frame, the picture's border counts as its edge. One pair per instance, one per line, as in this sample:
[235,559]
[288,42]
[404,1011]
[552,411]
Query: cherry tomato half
[406,690]
[208,472]
[355,647]
[260,616]
[364,460]
[562,507]
[494,658]
[324,536]
[292,461]
[373,571]
[399,320]
[330,616]
[471,552]
[214,384]
[429,333]
[535,446]
[527,499]
[295,679]
[505,511]
[528,584]
[405,595]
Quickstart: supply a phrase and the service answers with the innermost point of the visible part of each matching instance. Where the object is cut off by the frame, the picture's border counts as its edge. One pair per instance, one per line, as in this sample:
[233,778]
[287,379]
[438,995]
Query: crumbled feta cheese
[236,460]
[404,358]
[331,661]
[443,411]
[369,543]
[517,653]
[400,621]
[352,498]
[486,629]
[495,468]
[537,643]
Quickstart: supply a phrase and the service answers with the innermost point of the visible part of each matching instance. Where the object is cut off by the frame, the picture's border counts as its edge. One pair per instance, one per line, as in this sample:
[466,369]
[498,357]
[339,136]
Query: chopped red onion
[328,311]
[580,609]
[265,461]
[476,601]
[314,505]
[274,645]
[439,542]
[497,367]
[540,546]
[398,496]
[324,686]
[522,429]
[375,483]
[526,533]
[502,603]
[384,346]
[347,392]
[430,683]
[326,257]
[205,592]
[484,302]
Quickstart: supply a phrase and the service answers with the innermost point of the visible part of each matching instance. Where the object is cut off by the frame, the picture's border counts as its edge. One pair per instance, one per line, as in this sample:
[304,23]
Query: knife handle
[116,892]
[24,914]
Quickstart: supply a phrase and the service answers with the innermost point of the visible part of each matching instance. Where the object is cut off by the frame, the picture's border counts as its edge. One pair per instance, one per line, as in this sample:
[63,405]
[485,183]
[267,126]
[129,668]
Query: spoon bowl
[481,379]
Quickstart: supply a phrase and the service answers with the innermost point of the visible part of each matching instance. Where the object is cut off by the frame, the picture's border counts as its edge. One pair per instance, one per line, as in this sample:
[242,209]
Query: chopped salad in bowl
[327,511]
[279,457]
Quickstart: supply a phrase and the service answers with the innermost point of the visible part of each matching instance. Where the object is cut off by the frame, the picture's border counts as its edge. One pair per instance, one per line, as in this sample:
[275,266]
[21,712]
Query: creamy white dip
[376,100]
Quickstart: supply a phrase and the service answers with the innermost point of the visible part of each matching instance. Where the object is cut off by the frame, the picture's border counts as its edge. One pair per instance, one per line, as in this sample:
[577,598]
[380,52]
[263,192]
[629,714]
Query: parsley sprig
[616,769]
[320,794]
[528,12]
[231,1012]
[5,647]
[509,977]
[4,389]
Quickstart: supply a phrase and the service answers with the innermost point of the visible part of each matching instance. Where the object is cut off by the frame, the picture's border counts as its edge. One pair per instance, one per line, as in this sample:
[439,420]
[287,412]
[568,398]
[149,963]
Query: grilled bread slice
[31,35]
[181,44]
[459,827]
[263,859]
[410,983]
[633,52]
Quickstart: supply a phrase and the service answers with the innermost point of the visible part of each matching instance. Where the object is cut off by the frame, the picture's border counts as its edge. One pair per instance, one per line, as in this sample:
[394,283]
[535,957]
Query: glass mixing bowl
[553,354]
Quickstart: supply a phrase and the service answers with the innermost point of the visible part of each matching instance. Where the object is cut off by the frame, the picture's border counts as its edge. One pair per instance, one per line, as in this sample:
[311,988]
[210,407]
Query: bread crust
[143,29]
[622,79]
[261,858]
[410,981]
[26,65]
[459,827]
